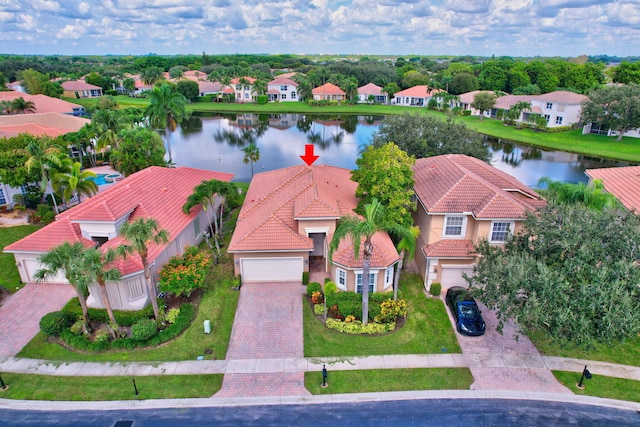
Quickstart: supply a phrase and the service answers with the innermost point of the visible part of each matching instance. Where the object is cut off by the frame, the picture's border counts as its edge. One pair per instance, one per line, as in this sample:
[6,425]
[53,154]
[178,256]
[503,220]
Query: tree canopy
[614,107]
[139,149]
[570,272]
[426,136]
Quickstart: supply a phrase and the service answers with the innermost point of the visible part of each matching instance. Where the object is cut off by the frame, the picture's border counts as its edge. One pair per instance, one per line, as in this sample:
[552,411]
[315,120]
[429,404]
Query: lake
[216,143]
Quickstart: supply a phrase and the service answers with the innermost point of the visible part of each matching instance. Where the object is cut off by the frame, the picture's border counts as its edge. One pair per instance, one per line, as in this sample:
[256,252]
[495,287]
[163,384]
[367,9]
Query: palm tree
[5,107]
[42,155]
[204,195]
[251,155]
[151,75]
[229,192]
[407,244]
[360,231]
[75,182]
[107,125]
[20,106]
[67,259]
[166,109]
[94,269]
[140,233]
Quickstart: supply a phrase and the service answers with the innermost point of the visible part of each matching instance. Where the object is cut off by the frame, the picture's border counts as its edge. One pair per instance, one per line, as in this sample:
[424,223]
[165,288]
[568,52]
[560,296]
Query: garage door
[271,269]
[31,266]
[452,276]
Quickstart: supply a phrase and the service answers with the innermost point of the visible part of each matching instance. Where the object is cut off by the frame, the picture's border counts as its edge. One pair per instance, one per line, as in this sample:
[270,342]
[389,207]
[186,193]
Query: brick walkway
[267,325]
[20,316]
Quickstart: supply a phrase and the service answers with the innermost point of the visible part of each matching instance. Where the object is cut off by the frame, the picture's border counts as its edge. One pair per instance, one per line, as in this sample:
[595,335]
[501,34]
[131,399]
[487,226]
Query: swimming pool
[100,179]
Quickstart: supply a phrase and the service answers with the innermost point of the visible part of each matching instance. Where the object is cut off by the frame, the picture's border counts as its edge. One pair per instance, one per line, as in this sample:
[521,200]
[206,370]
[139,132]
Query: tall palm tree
[167,107]
[74,182]
[204,195]
[251,155]
[67,259]
[43,154]
[20,106]
[95,269]
[360,231]
[139,234]
[229,193]
[5,107]
[151,75]
[407,245]
[107,125]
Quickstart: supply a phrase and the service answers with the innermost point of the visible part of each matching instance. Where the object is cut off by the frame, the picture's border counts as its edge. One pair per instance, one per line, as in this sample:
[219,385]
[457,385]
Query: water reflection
[215,142]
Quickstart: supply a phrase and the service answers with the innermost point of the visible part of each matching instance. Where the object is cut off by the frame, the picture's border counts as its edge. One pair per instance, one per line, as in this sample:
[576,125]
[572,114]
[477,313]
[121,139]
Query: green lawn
[382,380]
[625,353]
[45,387]
[10,278]
[218,304]
[607,387]
[427,330]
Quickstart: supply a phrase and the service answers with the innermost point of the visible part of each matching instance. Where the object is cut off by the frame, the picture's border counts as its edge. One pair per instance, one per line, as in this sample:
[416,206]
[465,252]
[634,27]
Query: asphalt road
[439,412]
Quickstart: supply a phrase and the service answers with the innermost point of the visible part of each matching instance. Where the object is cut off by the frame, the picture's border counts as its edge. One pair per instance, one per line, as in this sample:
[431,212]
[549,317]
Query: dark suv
[465,312]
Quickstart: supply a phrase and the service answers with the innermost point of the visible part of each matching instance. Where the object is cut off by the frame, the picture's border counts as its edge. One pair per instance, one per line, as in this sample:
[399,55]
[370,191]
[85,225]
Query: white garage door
[32,266]
[452,276]
[271,269]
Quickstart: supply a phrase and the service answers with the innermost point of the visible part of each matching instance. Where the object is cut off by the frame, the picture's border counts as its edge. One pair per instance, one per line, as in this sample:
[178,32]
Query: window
[500,231]
[558,120]
[342,278]
[293,95]
[196,226]
[549,106]
[547,117]
[283,96]
[388,277]
[283,88]
[3,199]
[454,226]
[372,282]
[238,87]
[136,288]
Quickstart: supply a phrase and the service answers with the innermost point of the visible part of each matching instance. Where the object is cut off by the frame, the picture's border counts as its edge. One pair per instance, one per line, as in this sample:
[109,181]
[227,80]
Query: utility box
[207,326]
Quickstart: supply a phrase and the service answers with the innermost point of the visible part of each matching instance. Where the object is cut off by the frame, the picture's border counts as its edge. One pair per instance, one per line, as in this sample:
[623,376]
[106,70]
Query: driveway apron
[267,325]
[20,316]
[499,372]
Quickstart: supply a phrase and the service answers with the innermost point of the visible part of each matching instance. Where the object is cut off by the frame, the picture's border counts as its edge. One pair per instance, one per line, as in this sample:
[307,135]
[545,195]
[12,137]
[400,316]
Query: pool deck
[107,170]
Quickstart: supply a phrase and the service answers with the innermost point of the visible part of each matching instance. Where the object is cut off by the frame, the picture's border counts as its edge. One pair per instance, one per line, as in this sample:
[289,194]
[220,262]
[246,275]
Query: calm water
[216,143]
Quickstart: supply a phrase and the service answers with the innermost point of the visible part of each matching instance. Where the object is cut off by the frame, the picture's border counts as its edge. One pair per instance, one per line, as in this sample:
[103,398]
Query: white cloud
[45,5]
[84,7]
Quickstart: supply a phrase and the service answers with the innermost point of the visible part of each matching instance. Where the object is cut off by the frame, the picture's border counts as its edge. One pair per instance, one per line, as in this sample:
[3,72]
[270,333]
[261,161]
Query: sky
[385,27]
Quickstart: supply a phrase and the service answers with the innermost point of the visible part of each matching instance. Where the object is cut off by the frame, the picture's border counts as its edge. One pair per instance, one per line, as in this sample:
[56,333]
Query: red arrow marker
[309,157]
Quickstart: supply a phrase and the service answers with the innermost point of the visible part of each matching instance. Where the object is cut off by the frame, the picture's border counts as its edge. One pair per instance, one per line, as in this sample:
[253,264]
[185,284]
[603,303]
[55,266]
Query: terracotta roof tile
[420,91]
[370,89]
[456,183]
[79,85]
[384,252]
[562,97]
[43,103]
[282,81]
[622,182]
[328,88]
[450,248]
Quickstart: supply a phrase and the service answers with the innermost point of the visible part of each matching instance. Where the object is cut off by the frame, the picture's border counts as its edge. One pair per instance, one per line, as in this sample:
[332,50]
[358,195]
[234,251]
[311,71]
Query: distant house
[154,192]
[371,90]
[328,92]
[245,92]
[80,89]
[40,124]
[417,96]
[560,108]
[45,104]
[282,89]
[462,200]
[622,182]
[209,88]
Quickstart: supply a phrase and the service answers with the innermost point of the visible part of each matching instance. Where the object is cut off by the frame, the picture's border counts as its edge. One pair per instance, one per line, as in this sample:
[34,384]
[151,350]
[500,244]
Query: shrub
[390,310]
[435,289]
[77,328]
[349,319]
[356,327]
[172,315]
[124,318]
[327,280]
[317,297]
[262,99]
[143,329]
[334,313]
[305,278]
[55,322]
[349,303]
[318,309]
[184,273]
[313,287]
[330,288]
[101,339]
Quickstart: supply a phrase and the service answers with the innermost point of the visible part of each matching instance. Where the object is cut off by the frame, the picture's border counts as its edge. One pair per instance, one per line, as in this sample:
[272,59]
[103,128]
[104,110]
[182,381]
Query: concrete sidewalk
[292,365]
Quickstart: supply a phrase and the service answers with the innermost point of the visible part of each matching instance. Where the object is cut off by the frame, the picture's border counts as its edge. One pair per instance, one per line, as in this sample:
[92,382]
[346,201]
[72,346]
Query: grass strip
[45,387]
[427,330]
[383,380]
[599,386]
[10,277]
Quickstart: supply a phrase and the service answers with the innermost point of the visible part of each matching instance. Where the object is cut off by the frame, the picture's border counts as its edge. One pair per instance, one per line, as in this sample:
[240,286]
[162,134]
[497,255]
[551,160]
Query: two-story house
[244,89]
[286,225]
[461,200]
[560,108]
[282,89]
[155,192]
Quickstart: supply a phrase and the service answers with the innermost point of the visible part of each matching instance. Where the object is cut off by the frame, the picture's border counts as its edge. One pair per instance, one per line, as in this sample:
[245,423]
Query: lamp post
[134,386]
[324,376]
[585,374]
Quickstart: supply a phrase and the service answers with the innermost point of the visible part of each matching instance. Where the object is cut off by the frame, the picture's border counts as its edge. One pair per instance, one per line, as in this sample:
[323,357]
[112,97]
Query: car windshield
[469,310]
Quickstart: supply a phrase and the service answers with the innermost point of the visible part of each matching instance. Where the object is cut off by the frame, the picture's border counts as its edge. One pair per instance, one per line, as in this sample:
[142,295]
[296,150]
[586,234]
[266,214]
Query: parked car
[465,312]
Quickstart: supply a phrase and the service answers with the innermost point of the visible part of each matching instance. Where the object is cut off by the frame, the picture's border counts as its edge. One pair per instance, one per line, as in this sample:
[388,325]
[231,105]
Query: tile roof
[282,81]
[384,253]
[39,124]
[622,182]
[370,89]
[450,248]
[562,97]
[328,88]
[155,192]
[420,91]
[456,183]
[236,81]
[78,85]
[468,97]
[206,86]
[43,103]
[507,101]
[276,200]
